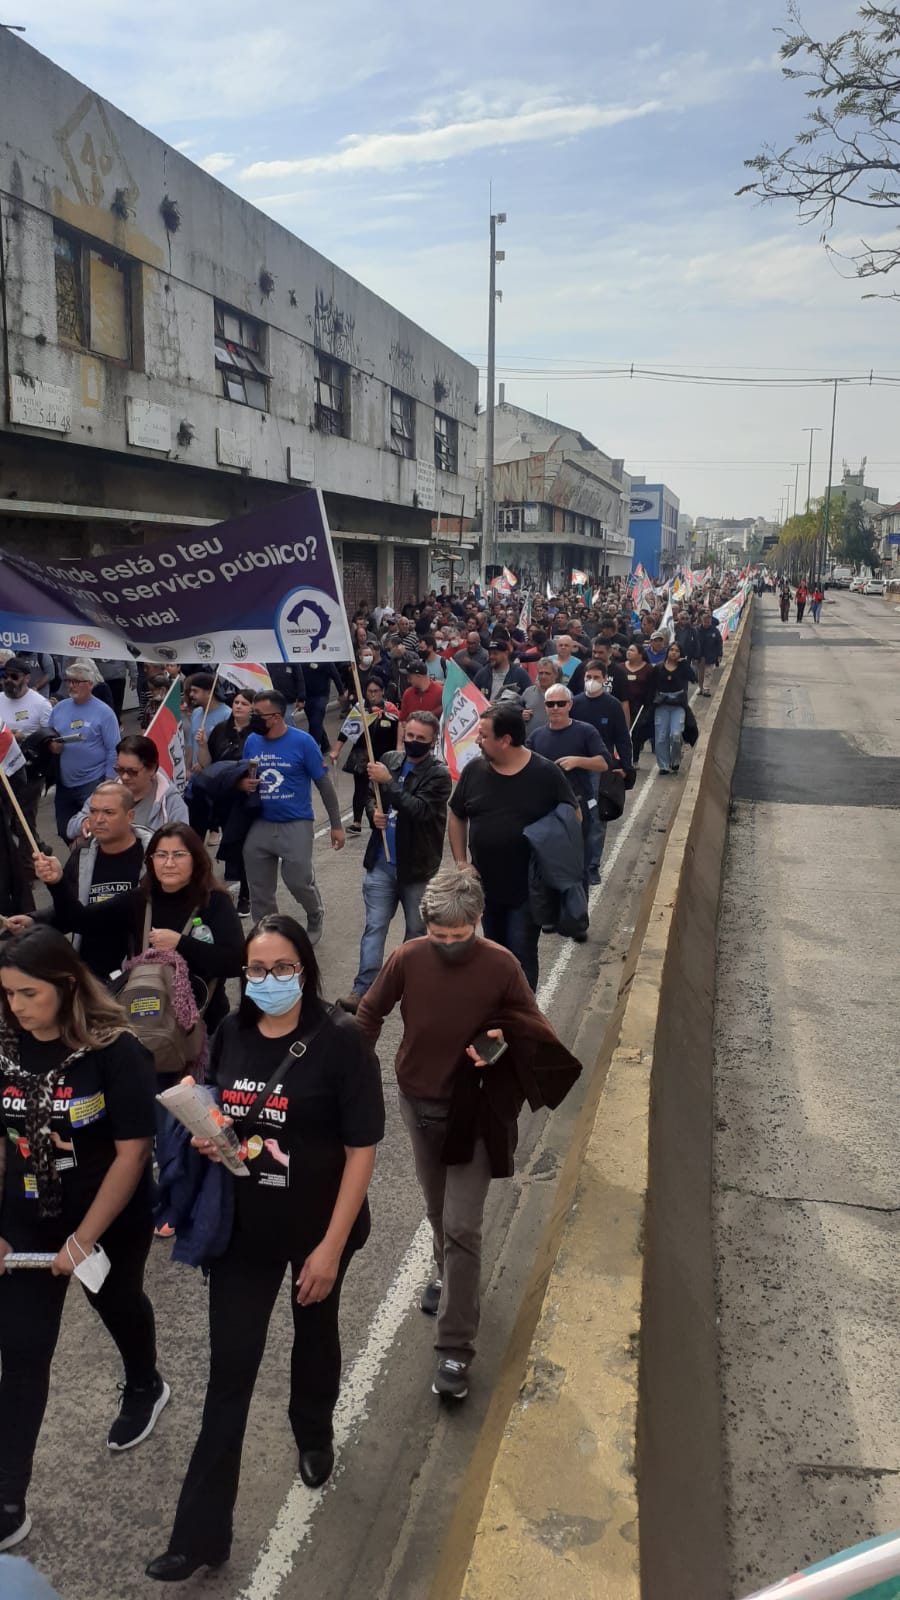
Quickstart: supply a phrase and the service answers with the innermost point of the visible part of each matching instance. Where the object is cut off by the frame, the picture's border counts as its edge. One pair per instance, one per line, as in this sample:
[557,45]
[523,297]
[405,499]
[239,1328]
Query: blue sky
[613,136]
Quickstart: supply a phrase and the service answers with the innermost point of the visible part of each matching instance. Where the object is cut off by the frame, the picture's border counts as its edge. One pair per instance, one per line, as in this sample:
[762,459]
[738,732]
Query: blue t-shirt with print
[390,832]
[288,768]
[92,731]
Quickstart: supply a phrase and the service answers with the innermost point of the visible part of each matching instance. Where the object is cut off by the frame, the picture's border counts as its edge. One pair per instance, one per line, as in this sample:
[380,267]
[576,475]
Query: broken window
[93,298]
[331,396]
[241,372]
[509,519]
[403,424]
[445,443]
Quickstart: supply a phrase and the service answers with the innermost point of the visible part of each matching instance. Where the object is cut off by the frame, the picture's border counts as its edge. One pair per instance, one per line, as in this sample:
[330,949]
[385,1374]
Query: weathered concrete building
[171,357]
[559,501]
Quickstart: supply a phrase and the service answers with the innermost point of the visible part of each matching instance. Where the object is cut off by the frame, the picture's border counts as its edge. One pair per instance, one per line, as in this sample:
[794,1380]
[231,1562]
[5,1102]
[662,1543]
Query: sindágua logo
[309,622]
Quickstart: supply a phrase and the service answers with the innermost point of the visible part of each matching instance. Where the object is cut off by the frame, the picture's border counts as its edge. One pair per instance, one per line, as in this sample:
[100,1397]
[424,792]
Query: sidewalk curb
[598,1472]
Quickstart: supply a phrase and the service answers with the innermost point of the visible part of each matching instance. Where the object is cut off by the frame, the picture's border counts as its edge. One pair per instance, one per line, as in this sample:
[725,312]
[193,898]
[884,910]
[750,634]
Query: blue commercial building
[653,525]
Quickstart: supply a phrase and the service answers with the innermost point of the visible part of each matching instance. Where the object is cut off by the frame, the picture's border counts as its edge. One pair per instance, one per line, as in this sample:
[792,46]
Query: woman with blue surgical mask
[302,1089]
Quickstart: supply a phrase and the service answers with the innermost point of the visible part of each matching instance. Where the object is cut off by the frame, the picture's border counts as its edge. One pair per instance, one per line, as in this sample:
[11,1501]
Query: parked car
[874,586]
[857,585]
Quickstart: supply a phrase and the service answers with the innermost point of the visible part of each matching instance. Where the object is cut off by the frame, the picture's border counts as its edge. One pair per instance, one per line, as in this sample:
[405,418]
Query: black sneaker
[451,1378]
[15,1525]
[137,1413]
[431,1297]
[243,906]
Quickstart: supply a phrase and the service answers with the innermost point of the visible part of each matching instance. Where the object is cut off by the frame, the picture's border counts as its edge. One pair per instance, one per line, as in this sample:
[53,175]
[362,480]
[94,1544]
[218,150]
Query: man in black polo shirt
[578,750]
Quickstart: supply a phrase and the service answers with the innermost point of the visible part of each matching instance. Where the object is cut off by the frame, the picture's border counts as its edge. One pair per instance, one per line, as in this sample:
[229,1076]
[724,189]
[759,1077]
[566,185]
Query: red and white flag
[165,731]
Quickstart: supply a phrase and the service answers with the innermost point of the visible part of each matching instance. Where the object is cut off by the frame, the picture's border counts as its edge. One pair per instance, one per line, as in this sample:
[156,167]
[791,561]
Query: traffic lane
[134,1495]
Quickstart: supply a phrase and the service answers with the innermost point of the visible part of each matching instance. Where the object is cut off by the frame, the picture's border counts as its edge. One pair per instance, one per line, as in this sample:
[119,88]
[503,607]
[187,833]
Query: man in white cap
[87,732]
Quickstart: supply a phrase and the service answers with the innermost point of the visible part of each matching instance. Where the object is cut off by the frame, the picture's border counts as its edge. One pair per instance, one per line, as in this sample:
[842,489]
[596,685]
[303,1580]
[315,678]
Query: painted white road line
[294,1522]
[320,832]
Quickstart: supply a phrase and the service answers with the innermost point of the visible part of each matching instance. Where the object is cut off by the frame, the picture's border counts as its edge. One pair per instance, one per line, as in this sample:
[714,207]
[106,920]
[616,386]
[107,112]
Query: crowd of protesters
[119,984]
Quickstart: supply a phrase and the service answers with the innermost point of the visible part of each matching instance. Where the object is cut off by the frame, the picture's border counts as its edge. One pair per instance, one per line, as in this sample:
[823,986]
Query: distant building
[653,525]
[559,502]
[171,357]
[853,485]
[886,522]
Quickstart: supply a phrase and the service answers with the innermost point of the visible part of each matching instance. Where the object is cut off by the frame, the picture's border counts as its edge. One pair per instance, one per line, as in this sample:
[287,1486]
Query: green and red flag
[165,731]
[462,707]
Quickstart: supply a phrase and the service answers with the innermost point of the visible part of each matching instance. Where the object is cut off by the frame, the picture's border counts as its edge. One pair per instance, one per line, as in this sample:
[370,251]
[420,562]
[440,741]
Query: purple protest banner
[260,588]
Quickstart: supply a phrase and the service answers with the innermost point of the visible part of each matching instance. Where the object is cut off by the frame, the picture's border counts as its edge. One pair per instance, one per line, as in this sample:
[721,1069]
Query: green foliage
[852,539]
[848,150]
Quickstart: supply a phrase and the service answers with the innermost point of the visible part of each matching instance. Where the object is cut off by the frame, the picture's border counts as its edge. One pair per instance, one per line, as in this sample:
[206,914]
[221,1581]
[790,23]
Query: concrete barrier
[598,1475]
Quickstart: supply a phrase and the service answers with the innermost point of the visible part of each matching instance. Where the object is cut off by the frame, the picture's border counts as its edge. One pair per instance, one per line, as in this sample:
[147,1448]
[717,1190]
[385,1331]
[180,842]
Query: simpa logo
[309,620]
[239,651]
[83,641]
[205,649]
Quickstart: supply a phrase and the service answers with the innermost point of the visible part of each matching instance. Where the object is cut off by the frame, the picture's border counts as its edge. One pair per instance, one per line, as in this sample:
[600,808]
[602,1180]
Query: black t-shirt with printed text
[103,1096]
[328,1098]
[497,808]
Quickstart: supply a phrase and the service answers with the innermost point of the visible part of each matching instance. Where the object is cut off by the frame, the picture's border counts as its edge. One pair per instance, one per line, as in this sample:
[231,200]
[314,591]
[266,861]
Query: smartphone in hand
[488,1049]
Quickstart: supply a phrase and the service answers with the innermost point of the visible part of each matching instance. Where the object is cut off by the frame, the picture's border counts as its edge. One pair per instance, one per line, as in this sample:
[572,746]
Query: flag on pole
[578,577]
[165,731]
[525,613]
[510,577]
[549,592]
[245,675]
[462,707]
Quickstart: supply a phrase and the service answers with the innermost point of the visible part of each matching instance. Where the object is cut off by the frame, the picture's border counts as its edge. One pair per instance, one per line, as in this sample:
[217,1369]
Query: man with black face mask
[415,787]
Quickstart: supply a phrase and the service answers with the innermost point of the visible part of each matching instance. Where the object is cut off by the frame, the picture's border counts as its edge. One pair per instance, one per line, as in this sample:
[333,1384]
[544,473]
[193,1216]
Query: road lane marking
[293,1524]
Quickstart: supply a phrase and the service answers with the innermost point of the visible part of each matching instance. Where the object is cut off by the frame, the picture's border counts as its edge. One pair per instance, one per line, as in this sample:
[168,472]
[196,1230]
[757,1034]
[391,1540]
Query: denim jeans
[596,840]
[515,928]
[668,723]
[382,894]
[68,803]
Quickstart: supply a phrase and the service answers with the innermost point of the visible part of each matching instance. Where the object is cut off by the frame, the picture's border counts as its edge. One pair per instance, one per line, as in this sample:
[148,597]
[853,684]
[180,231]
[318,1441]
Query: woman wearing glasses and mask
[303,1090]
[176,906]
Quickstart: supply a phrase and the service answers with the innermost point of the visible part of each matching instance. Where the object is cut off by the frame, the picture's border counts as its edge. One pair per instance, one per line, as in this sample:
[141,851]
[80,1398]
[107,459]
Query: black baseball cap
[14,668]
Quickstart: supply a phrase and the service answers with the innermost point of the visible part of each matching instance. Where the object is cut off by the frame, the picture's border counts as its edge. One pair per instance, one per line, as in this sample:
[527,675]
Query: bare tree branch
[848,150]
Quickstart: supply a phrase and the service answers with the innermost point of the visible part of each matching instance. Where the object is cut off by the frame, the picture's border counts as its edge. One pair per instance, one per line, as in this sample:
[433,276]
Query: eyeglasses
[168,856]
[268,716]
[282,972]
[75,680]
[556,705]
[127,772]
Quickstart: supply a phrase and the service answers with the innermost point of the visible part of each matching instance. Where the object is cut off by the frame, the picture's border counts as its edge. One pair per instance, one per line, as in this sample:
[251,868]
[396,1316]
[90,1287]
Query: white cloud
[385,152]
[216,163]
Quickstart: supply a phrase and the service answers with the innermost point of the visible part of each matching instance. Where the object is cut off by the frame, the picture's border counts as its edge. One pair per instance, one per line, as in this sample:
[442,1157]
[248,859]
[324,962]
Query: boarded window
[93,299]
[359,568]
[108,308]
[241,372]
[445,443]
[403,425]
[332,380]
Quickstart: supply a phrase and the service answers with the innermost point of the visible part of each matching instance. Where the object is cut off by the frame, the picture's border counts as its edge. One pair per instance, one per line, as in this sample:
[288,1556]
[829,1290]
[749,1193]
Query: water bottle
[199,930]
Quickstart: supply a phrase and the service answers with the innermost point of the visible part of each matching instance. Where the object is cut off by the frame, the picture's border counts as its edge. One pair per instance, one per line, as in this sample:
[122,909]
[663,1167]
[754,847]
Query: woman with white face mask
[305,1086]
[76,1125]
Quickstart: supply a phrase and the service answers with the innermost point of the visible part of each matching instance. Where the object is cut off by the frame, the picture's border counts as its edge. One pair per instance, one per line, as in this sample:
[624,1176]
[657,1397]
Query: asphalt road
[376,1529]
[807,1191]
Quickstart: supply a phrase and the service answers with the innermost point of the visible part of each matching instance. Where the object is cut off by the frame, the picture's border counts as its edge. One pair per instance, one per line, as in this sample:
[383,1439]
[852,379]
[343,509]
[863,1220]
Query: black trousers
[31,1307]
[360,796]
[242,1292]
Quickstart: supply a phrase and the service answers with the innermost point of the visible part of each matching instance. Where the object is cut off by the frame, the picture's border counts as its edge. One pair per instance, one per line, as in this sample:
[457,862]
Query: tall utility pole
[810,431]
[487,498]
[821,571]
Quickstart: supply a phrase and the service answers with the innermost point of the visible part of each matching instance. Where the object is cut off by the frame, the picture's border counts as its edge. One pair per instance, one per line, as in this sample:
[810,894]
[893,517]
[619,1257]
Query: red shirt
[430,699]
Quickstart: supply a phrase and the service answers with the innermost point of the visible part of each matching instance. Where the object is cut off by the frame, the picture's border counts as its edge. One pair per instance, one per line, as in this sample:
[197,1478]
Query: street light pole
[487,498]
[821,572]
[810,431]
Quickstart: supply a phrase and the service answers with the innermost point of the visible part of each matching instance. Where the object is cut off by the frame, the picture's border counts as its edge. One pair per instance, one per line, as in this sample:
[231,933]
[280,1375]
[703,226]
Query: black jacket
[421,806]
[516,678]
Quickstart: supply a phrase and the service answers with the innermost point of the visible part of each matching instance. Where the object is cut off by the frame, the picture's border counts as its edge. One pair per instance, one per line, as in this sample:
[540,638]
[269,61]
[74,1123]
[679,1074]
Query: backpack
[147,993]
